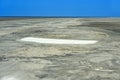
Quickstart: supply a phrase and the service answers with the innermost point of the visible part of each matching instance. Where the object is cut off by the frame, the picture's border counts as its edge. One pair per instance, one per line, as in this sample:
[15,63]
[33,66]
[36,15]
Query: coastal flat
[28,60]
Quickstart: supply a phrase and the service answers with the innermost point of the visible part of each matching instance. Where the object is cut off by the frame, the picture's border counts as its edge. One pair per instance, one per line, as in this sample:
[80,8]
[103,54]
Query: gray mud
[31,61]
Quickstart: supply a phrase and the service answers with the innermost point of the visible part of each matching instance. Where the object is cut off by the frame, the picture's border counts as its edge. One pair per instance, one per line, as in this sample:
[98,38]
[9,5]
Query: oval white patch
[57,41]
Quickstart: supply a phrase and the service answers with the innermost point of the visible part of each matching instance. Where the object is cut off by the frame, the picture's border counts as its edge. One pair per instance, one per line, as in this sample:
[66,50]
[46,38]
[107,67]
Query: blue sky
[60,8]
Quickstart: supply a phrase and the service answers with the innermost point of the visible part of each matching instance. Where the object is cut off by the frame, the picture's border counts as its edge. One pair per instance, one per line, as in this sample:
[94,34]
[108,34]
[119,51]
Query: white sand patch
[9,78]
[57,41]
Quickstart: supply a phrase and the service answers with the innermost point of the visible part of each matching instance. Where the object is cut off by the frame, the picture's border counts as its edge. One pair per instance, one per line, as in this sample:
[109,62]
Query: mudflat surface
[21,60]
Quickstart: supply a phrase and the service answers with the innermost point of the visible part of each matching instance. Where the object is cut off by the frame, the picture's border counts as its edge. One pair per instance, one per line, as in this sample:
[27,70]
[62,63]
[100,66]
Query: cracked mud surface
[32,61]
